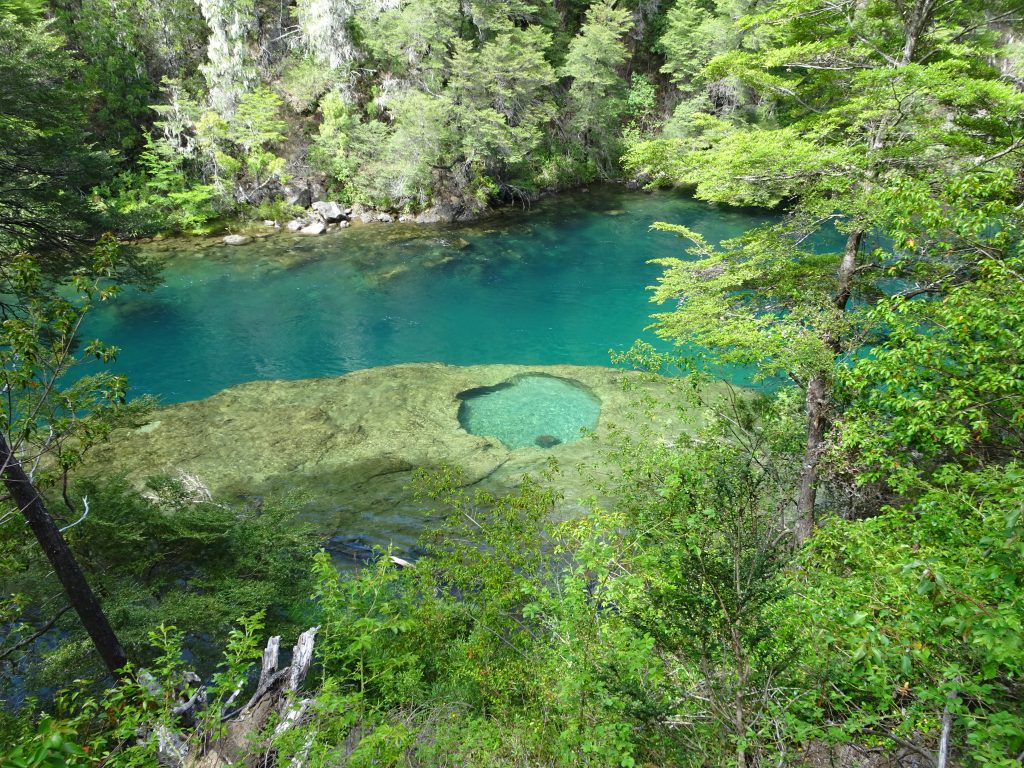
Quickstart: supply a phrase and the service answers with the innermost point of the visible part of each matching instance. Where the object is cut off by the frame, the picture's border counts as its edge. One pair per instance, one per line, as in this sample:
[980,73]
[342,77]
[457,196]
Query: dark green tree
[879,106]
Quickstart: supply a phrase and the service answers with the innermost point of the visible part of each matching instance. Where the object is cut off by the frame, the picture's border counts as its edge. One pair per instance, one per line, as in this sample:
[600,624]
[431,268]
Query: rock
[468,214]
[632,184]
[584,189]
[328,212]
[316,228]
[348,211]
[459,243]
[547,441]
[295,225]
[343,224]
[405,217]
[296,194]
[367,217]
[385,218]
[429,216]
[317,188]
[348,446]
[387,274]
[237,239]
[270,223]
[440,214]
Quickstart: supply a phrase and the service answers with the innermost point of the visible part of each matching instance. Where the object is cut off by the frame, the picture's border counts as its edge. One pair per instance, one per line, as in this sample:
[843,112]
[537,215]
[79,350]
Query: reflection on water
[563,282]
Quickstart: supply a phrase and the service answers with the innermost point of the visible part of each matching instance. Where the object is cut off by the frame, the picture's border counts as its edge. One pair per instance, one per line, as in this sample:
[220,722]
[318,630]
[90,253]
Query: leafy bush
[175,557]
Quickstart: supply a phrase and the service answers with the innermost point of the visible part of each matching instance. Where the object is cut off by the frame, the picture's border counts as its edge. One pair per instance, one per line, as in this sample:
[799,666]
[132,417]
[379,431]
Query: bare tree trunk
[819,398]
[913,28]
[847,270]
[818,401]
[80,595]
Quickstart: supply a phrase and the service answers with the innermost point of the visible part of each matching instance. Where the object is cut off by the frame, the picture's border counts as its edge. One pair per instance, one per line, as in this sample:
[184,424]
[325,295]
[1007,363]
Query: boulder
[316,228]
[328,212]
[343,224]
[295,225]
[385,218]
[430,216]
[317,188]
[270,223]
[367,217]
[237,239]
[296,194]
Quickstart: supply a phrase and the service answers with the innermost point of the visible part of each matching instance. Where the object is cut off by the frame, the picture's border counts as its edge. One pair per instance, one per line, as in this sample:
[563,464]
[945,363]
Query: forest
[792,537]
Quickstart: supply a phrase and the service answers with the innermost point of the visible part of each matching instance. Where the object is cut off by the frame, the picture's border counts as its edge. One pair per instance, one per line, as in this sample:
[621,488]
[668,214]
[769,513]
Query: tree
[695,34]
[699,565]
[876,103]
[43,417]
[47,227]
[596,95]
[944,386]
[501,98]
[47,166]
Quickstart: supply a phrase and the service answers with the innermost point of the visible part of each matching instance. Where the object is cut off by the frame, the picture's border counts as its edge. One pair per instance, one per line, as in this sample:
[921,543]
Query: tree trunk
[819,398]
[847,269]
[818,401]
[913,28]
[80,595]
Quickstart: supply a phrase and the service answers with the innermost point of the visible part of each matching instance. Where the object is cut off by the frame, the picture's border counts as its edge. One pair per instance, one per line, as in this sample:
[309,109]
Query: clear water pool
[562,282]
[530,411]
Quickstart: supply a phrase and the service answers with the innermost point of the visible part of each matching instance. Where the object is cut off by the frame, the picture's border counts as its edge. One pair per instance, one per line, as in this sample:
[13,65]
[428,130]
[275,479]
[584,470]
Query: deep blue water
[563,282]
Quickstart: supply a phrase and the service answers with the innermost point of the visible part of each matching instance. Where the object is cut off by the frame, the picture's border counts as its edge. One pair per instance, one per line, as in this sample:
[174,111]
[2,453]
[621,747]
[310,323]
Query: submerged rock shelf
[346,448]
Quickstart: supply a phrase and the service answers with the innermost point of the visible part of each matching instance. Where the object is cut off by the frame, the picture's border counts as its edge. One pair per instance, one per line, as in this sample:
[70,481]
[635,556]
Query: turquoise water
[542,411]
[563,282]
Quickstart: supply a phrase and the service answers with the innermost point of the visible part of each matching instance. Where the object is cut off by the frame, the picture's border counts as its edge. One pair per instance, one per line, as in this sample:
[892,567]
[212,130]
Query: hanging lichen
[229,69]
[326,30]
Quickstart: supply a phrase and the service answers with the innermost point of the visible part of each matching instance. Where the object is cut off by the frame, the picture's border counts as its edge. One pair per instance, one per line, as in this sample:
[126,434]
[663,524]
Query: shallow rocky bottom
[345,448]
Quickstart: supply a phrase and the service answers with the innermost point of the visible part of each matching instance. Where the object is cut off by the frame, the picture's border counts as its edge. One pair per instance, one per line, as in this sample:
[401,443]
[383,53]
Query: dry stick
[947,727]
[37,634]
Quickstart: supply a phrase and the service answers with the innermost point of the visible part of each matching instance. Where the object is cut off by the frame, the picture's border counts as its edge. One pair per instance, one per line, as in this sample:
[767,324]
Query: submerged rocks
[547,441]
[237,239]
[349,445]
